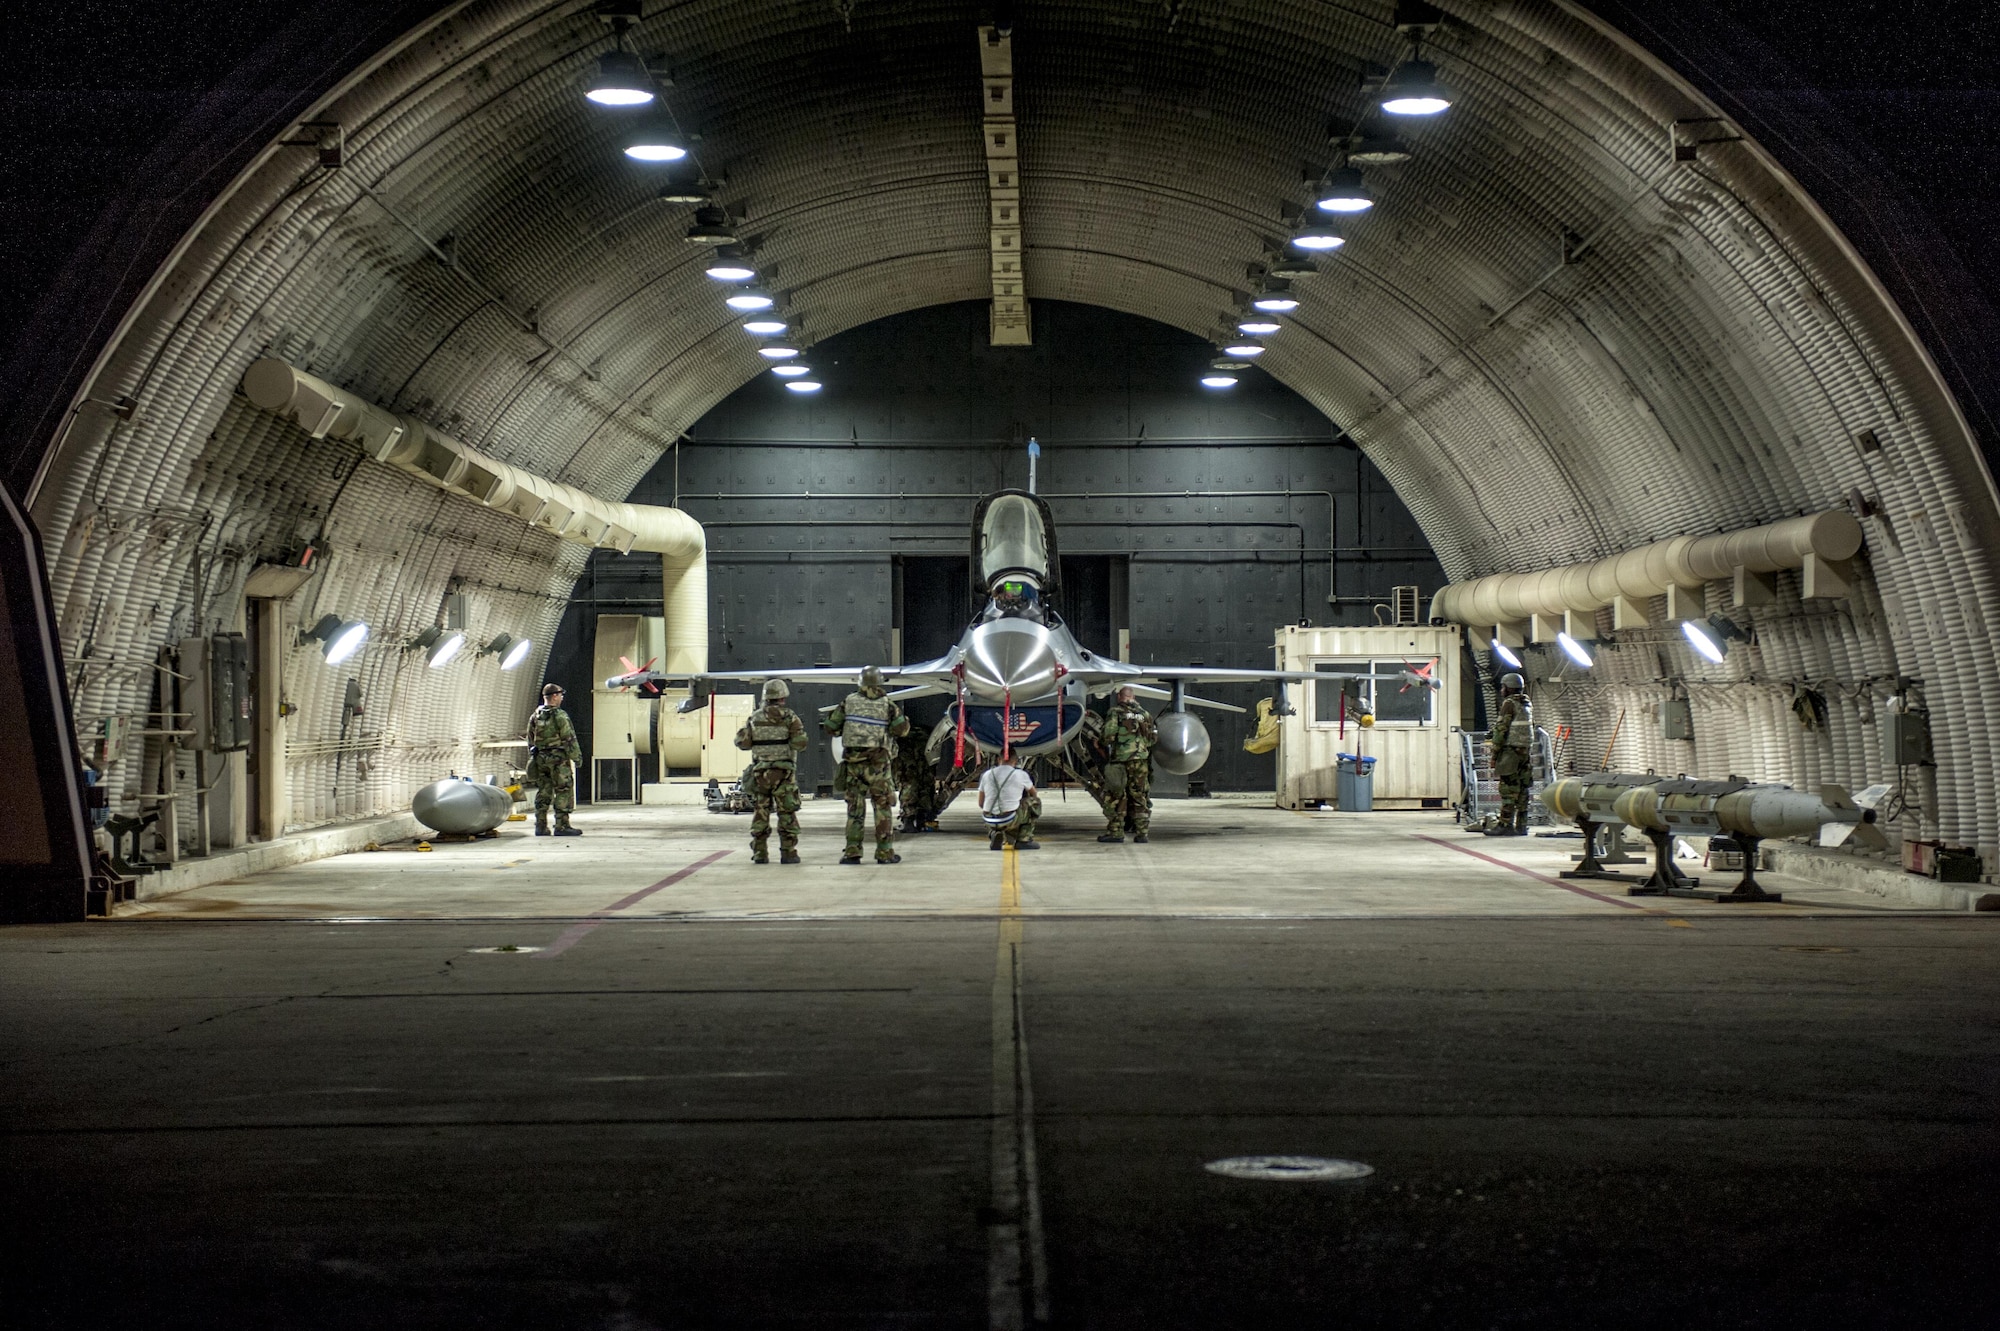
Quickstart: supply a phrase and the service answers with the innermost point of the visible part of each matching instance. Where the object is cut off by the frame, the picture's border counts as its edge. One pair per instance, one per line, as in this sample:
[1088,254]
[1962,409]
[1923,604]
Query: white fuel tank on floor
[460,805]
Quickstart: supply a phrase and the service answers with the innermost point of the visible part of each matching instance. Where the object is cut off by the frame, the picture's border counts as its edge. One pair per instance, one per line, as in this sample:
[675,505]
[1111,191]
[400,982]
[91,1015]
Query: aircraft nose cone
[1011,657]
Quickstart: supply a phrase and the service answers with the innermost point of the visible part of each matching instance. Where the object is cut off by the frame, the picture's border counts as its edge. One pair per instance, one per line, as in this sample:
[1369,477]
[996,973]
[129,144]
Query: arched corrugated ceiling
[1716,356]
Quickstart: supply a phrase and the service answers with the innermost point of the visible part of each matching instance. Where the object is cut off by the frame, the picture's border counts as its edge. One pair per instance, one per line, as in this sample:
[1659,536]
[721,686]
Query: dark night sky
[1888,113]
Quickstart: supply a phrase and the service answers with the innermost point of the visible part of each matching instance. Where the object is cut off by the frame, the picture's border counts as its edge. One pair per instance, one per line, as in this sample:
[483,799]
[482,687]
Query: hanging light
[1291,270]
[1319,238]
[791,371]
[712,227]
[777,351]
[1218,379]
[338,638]
[730,265]
[1244,350]
[653,139]
[1413,90]
[763,327]
[1574,650]
[694,192]
[1277,300]
[749,299]
[620,79]
[1344,192]
[1257,327]
[1377,148]
[1505,654]
[803,385]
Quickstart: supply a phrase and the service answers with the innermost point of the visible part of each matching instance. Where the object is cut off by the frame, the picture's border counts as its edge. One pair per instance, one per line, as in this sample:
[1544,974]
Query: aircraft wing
[1166,695]
[1111,674]
[929,675]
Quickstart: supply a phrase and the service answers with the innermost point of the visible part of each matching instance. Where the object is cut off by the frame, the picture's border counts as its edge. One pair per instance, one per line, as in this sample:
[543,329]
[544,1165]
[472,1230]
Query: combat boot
[564,829]
[758,855]
[851,857]
[1141,839]
[993,843]
[1028,845]
[893,858]
[541,824]
[788,857]
[1111,837]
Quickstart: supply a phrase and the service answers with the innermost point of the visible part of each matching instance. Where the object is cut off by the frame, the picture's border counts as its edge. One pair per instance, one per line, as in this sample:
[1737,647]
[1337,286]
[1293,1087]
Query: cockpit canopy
[1013,539]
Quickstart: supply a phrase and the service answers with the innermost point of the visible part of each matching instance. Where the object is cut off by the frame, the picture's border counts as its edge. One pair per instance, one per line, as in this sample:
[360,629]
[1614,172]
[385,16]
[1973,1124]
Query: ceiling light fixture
[1319,239]
[730,265]
[1291,270]
[1218,380]
[1258,327]
[778,351]
[1244,350]
[790,371]
[653,139]
[750,299]
[803,385]
[1344,192]
[620,79]
[1278,299]
[339,639]
[694,192]
[1574,650]
[712,227]
[763,327]
[1413,90]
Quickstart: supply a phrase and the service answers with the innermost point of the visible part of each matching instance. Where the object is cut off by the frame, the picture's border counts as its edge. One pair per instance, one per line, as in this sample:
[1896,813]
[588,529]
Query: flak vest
[867,723]
[540,740]
[1520,732]
[771,741]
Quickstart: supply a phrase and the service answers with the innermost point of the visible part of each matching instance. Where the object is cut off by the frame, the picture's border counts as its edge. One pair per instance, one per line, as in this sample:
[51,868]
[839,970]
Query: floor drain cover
[1289,1168]
[508,948]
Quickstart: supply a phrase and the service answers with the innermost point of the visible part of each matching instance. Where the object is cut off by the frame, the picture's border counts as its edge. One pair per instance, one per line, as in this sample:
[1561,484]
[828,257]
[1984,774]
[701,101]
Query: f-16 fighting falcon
[1018,679]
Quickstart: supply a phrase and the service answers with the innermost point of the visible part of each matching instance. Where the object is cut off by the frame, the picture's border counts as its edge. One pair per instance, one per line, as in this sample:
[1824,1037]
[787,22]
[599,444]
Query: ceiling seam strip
[1008,323]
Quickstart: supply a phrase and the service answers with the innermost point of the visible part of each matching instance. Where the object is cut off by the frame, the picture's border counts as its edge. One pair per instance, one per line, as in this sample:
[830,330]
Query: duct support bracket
[1009,324]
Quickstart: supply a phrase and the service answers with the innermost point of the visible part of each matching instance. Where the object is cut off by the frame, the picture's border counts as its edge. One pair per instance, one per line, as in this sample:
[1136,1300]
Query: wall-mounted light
[438,645]
[339,639]
[510,649]
[1711,636]
[1505,655]
[1574,650]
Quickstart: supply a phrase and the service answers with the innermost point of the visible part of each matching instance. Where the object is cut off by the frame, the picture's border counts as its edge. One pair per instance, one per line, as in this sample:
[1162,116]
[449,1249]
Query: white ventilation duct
[327,412]
[1815,544]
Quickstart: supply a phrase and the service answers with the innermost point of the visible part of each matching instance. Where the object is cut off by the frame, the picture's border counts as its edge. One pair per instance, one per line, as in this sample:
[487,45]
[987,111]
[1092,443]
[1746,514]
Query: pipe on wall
[325,411]
[1650,570]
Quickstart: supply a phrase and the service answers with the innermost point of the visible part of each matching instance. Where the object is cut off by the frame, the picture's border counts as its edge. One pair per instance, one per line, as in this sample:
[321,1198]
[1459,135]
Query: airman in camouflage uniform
[1511,745]
[916,786]
[552,753]
[1128,738]
[774,737]
[867,724]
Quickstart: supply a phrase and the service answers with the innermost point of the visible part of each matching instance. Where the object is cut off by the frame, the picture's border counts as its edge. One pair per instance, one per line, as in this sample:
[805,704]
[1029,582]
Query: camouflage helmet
[871,677]
[550,690]
[776,690]
[1512,683]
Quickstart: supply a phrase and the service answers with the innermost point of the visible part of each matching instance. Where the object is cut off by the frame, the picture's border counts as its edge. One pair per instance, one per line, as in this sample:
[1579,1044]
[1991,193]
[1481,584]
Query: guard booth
[1413,738]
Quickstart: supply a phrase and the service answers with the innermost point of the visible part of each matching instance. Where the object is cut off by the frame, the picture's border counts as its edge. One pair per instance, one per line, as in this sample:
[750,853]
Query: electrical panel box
[1906,737]
[215,691]
[1676,719]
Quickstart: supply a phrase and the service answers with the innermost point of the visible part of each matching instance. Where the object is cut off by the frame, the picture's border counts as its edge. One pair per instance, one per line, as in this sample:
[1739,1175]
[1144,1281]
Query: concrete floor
[980,1090]
[1232,857]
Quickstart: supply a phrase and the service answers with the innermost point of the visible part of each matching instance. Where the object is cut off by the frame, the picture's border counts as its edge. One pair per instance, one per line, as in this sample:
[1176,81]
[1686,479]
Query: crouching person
[1008,802]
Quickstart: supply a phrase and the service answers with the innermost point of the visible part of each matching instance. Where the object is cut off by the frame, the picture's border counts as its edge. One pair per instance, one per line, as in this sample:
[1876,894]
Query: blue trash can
[1354,787]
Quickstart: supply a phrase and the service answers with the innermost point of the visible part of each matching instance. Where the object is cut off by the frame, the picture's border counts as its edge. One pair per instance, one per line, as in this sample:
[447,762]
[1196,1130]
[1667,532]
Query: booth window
[1392,703]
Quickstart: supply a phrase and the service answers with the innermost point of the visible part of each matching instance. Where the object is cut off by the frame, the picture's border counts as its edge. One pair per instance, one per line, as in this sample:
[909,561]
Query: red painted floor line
[573,935]
[1539,877]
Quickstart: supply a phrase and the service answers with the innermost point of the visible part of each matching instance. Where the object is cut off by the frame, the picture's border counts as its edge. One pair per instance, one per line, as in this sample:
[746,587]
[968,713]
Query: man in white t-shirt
[1009,804]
